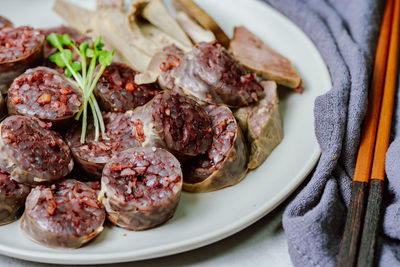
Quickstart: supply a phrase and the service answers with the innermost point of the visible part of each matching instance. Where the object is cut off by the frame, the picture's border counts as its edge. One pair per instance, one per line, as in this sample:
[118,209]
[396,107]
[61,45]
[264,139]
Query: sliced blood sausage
[45,94]
[12,198]
[225,164]
[31,153]
[93,155]
[118,92]
[173,122]
[141,188]
[4,23]
[212,75]
[20,49]
[262,124]
[63,215]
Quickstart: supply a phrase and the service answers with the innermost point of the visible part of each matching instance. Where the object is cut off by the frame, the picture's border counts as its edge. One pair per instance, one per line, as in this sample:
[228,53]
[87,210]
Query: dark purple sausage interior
[12,198]
[65,214]
[93,155]
[212,75]
[5,23]
[31,153]
[224,129]
[142,187]
[118,92]
[174,122]
[17,43]
[45,94]
[20,49]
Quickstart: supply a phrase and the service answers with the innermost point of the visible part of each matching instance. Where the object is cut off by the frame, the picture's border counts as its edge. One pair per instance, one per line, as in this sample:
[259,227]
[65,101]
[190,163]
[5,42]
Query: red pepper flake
[44,99]
[65,91]
[164,66]
[139,131]
[130,87]
[16,99]
[51,206]
[116,167]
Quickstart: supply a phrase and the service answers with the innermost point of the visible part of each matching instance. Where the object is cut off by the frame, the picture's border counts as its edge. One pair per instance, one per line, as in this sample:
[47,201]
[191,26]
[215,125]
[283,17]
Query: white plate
[202,219]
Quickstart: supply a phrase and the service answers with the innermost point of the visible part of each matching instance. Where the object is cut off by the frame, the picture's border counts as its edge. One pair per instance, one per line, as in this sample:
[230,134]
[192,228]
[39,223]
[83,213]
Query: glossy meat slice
[63,215]
[20,49]
[93,155]
[118,92]
[45,94]
[262,124]
[225,164]
[31,153]
[12,198]
[4,22]
[212,75]
[173,122]
[141,188]
[254,54]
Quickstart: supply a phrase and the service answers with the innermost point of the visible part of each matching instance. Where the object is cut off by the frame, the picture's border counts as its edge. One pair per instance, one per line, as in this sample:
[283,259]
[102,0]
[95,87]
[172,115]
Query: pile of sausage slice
[195,129]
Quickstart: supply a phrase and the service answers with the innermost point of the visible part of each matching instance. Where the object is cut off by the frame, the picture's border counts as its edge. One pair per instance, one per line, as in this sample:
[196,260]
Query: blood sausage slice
[141,188]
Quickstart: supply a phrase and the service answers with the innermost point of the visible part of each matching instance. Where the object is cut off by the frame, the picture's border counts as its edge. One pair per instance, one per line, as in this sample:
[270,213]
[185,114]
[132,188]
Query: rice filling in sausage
[225,164]
[173,122]
[63,215]
[45,94]
[141,188]
[31,153]
[20,49]
[12,198]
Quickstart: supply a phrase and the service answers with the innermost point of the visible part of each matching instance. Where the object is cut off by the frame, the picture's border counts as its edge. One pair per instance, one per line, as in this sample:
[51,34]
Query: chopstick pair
[359,237]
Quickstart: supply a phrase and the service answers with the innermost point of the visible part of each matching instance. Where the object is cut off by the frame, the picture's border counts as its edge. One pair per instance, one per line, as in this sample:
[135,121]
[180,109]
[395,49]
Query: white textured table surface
[261,244]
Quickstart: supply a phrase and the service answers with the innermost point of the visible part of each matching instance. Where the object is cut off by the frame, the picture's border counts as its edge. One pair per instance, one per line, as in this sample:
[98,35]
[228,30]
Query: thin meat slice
[194,30]
[63,215]
[20,49]
[141,188]
[212,75]
[4,23]
[45,94]
[173,122]
[32,154]
[157,14]
[117,91]
[254,54]
[92,155]
[225,164]
[262,124]
[12,198]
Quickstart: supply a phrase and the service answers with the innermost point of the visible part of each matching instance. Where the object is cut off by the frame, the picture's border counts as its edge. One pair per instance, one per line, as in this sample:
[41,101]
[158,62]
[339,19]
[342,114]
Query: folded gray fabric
[346,33]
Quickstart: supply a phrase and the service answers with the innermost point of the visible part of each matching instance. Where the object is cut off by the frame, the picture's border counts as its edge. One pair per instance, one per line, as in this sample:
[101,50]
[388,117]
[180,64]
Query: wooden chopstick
[352,232]
[373,213]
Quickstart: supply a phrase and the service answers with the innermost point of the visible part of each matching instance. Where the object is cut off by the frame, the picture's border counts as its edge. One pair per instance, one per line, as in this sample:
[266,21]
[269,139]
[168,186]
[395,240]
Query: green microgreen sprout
[84,74]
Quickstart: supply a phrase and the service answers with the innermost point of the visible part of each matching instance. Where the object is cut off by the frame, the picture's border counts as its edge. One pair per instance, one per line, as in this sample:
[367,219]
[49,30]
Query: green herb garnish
[83,74]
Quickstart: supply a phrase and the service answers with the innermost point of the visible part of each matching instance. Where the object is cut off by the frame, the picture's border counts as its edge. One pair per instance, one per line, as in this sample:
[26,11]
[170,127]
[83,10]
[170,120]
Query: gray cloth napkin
[346,33]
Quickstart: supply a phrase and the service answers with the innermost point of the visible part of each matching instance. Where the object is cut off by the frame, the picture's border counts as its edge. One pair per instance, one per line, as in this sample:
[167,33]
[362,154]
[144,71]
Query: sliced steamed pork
[254,54]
